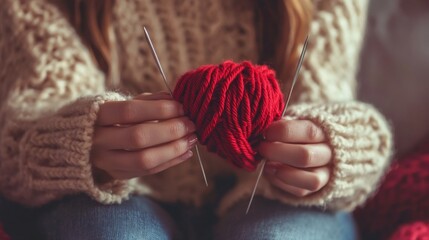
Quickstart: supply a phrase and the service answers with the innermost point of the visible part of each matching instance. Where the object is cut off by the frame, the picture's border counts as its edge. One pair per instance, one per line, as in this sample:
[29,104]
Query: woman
[64,130]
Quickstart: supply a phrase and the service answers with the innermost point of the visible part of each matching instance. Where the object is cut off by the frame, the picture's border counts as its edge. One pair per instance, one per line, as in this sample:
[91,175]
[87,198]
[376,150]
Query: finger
[297,155]
[294,131]
[312,180]
[144,161]
[143,135]
[122,175]
[137,111]
[298,192]
[154,96]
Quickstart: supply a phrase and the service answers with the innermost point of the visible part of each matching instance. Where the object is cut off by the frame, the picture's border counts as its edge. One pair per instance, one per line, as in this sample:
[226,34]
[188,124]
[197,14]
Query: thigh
[83,218]
[80,217]
[272,220]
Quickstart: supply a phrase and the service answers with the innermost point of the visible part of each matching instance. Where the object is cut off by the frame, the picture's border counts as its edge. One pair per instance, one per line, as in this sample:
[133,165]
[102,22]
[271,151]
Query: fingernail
[190,126]
[192,140]
[270,170]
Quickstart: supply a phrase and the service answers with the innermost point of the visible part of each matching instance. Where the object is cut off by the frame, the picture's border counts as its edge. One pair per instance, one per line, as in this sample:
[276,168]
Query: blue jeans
[142,218]
[272,220]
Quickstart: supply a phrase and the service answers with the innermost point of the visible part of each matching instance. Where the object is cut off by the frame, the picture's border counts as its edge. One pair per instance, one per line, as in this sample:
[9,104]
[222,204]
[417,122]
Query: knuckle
[139,137]
[152,171]
[97,138]
[96,161]
[166,108]
[286,130]
[308,156]
[119,176]
[312,131]
[146,161]
[128,112]
[179,147]
[99,160]
[263,149]
[315,183]
[177,129]
[300,193]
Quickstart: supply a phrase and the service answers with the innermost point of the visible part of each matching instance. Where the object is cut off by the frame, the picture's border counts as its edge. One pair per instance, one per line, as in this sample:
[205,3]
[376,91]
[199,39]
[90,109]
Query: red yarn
[231,104]
[3,235]
[401,199]
[414,231]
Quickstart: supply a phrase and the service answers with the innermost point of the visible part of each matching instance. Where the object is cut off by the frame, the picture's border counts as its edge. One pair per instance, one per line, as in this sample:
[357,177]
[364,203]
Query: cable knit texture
[51,90]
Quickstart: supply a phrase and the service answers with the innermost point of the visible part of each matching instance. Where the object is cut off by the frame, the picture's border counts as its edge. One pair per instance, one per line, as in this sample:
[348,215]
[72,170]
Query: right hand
[142,136]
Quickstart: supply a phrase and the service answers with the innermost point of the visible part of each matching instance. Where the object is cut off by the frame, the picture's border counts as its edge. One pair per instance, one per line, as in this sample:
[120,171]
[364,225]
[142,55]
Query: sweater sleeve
[357,133]
[50,92]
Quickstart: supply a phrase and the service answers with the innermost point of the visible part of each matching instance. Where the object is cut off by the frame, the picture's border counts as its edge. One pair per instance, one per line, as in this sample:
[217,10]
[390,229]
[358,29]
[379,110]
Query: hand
[142,136]
[297,157]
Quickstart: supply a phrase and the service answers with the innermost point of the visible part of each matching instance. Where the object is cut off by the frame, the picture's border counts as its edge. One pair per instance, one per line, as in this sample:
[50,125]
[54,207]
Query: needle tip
[256,185]
[247,210]
[201,165]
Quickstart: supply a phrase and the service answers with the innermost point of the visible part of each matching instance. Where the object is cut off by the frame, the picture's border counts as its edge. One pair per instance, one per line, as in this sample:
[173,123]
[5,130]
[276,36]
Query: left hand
[298,158]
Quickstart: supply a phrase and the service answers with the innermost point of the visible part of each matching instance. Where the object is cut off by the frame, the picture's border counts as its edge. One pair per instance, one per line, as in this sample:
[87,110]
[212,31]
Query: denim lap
[82,218]
[271,220]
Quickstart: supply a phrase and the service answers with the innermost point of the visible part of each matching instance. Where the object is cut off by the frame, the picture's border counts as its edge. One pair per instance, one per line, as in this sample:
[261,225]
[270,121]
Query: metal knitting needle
[295,77]
[158,63]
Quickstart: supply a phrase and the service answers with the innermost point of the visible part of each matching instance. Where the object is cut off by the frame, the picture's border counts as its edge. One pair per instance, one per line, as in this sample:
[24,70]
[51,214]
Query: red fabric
[413,231]
[231,104]
[403,198]
[3,235]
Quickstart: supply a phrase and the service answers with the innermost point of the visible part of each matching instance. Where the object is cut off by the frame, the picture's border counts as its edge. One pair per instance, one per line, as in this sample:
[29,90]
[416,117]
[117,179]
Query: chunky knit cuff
[361,143]
[45,159]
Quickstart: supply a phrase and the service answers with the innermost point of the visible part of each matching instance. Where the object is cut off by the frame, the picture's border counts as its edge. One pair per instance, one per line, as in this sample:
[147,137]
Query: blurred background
[394,74]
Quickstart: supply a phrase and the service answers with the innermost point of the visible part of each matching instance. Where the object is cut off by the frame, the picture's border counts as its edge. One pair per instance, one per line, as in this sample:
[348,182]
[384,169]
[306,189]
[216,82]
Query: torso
[186,34]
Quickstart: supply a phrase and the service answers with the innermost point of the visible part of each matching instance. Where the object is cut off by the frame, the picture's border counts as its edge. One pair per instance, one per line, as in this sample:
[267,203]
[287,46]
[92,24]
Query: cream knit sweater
[51,90]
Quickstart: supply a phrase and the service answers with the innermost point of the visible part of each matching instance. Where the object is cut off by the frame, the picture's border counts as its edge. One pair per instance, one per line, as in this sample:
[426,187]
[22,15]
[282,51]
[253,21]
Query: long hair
[282,26]
[92,19]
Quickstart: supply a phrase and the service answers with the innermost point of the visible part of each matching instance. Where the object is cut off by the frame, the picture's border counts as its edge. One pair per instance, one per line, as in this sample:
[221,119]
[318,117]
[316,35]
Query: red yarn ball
[402,198]
[231,104]
[412,231]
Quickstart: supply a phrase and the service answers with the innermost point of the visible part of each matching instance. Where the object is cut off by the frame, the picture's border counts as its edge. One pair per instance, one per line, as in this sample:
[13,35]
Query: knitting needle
[295,77]
[158,63]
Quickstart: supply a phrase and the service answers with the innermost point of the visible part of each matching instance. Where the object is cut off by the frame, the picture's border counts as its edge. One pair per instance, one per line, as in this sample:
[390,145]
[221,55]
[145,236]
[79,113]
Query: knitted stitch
[46,127]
